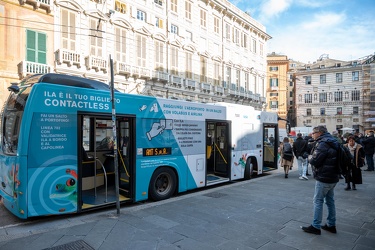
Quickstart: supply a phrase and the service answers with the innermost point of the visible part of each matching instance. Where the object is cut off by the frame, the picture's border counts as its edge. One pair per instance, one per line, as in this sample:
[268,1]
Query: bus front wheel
[163,184]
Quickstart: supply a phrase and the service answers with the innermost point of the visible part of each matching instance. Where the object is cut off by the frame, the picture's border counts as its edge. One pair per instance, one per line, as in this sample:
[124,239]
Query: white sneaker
[305,177]
[301,178]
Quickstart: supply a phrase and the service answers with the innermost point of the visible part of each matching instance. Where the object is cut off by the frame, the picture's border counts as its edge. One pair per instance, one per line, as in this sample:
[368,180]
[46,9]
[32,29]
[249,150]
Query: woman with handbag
[354,174]
[287,156]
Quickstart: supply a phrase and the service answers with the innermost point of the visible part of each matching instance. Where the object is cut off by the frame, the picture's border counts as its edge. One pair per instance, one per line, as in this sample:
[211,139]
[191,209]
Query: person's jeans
[324,192]
[370,162]
[302,166]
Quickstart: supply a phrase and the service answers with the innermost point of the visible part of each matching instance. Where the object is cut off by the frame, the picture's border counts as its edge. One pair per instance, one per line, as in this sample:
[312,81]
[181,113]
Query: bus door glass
[217,141]
[98,165]
[270,147]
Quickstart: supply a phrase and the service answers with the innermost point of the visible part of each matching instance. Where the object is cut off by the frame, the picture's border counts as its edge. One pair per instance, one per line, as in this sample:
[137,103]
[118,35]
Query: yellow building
[278,90]
[26,40]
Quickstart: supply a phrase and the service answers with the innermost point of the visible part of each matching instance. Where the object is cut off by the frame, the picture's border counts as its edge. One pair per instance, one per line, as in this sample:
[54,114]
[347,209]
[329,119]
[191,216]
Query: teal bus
[57,154]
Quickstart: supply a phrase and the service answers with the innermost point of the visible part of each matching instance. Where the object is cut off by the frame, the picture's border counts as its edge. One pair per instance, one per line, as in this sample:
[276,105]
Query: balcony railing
[97,63]
[43,4]
[190,83]
[176,80]
[219,89]
[205,86]
[160,75]
[122,68]
[141,72]
[68,57]
[30,68]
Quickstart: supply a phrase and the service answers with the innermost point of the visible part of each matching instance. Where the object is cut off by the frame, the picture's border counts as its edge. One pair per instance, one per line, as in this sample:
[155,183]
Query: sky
[304,30]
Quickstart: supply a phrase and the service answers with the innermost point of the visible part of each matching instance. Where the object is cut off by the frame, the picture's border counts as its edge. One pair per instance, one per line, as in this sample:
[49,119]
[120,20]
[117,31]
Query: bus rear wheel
[249,168]
[163,184]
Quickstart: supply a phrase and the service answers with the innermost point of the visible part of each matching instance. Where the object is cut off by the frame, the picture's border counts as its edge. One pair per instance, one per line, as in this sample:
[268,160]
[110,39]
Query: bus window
[103,135]
[11,122]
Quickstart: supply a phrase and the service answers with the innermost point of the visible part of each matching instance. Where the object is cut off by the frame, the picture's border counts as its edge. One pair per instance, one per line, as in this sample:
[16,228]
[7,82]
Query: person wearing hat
[300,152]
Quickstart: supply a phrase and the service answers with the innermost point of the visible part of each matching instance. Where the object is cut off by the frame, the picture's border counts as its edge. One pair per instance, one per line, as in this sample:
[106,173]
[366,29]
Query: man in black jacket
[300,152]
[326,174]
[369,144]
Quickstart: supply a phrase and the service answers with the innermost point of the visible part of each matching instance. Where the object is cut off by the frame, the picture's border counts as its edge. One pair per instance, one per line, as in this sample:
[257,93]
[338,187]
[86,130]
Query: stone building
[337,94]
[194,50]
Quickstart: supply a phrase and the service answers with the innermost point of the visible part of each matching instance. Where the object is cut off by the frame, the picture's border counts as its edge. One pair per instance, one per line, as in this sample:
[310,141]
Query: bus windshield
[11,120]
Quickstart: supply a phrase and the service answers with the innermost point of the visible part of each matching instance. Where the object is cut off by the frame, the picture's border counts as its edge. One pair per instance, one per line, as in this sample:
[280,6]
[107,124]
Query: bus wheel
[249,167]
[163,184]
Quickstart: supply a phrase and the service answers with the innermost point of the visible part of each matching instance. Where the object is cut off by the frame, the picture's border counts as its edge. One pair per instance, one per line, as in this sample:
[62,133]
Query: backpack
[287,152]
[344,159]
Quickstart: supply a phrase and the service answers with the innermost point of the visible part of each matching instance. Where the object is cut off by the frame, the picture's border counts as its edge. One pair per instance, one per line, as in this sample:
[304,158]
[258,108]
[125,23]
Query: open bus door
[270,146]
[217,151]
[96,160]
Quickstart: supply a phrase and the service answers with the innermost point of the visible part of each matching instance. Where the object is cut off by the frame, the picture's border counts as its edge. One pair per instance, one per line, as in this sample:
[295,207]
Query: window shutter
[42,48]
[30,46]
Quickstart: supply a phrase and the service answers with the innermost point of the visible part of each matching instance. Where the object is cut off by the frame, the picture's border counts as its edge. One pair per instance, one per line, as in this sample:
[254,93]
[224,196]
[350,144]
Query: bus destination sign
[157,151]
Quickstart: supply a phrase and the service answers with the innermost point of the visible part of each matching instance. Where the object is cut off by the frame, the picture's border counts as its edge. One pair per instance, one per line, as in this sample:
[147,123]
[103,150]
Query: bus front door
[96,159]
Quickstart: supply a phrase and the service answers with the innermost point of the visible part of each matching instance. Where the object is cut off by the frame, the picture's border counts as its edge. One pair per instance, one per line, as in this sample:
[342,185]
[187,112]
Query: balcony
[233,90]
[121,68]
[250,95]
[141,72]
[274,88]
[160,76]
[30,68]
[205,86]
[42,4]
[219,90]
[190,83]
[68,57]
[97,63]
[176,80]
[225,85]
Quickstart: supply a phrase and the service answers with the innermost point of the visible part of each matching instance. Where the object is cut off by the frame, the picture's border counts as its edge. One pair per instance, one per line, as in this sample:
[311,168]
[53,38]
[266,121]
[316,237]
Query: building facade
[336,94]
[194,50]
[279,91]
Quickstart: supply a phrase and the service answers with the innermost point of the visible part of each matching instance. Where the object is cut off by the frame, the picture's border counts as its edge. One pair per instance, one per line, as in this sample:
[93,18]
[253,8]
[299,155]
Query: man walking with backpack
[300,152]
[326,174]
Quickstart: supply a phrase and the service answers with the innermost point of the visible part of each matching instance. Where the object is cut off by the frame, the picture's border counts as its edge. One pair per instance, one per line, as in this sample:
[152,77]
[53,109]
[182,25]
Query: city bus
[57,154]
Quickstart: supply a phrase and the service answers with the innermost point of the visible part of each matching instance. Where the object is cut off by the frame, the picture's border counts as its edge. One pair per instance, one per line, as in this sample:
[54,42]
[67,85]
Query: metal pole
[114,136]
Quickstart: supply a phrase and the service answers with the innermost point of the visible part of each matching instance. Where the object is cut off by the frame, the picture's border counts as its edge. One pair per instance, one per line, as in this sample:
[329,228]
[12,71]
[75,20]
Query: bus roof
[67,80]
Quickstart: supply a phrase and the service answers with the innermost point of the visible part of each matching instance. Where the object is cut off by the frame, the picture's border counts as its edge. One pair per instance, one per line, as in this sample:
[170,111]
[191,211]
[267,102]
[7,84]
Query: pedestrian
[326,174]
[300,152]
[354,174]
[336,135]
[286,153]
[369,144]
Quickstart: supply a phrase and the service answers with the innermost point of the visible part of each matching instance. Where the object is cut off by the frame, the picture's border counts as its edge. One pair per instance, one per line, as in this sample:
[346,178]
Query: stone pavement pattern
[262,213]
